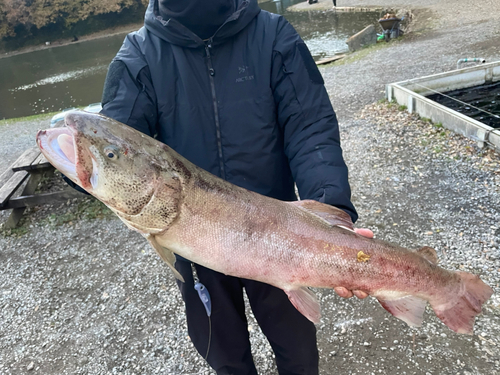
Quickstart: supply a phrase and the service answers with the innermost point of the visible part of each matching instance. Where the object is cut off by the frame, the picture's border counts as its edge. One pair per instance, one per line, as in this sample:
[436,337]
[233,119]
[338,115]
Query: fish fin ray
[429,253]
[460,316]
[409,309]
[165,254]
[332,215]
[305,302]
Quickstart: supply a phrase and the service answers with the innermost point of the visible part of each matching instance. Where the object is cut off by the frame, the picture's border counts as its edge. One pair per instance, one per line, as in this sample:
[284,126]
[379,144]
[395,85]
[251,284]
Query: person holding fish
[235,90]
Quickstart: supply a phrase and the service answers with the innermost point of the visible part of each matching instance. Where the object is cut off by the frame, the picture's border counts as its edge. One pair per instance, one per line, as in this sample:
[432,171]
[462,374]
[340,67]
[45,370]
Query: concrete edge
[453,120]
[471,76]
[322,6]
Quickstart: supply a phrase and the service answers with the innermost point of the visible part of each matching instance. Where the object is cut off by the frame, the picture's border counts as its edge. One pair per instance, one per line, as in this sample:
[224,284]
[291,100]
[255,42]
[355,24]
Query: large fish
[182,209]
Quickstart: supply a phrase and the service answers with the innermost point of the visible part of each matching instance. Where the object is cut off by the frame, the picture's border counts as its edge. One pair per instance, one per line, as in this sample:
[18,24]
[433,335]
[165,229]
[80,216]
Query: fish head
[122,167]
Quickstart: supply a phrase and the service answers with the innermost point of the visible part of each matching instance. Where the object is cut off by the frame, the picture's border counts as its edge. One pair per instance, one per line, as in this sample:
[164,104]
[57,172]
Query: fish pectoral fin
[332,215]
[165,254]
[306,302]
[429,253]
[409,309]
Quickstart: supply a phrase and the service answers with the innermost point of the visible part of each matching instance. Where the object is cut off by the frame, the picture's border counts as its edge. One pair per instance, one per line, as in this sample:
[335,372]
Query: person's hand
[344,292]
[364,232]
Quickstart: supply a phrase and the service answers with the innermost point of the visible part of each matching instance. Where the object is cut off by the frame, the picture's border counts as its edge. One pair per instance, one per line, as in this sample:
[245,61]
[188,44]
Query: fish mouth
[58,145]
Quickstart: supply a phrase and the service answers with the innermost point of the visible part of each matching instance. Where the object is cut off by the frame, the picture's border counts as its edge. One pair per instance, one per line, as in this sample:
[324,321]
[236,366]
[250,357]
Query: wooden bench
[31,166]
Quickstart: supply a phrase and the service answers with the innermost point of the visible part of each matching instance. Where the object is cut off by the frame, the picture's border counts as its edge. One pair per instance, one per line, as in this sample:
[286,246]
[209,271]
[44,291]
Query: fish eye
[111,152]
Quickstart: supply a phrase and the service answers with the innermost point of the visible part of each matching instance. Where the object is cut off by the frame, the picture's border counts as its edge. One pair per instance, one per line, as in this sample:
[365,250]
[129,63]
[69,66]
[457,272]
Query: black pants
[291,335]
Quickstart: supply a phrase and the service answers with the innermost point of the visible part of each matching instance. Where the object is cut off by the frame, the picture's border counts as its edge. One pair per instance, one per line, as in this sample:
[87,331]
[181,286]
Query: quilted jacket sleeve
[128,94]
[309,124]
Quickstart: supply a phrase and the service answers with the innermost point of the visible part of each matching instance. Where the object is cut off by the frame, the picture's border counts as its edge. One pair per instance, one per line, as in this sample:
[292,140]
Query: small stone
[31,366]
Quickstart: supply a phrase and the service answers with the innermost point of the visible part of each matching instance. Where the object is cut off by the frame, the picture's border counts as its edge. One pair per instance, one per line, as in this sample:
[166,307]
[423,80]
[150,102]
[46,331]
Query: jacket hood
[173,31]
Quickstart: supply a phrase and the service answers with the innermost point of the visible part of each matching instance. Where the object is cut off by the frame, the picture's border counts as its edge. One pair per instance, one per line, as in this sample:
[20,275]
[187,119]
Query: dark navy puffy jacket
[248,105]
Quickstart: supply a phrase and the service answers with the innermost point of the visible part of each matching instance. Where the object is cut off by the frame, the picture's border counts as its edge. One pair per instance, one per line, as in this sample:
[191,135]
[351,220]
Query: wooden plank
[329,59]
[42,166]
[40,160]
[34,167]
[39,163]
[26,158]
[37,160]
[9,188]
[45,198]
[29,189]
[6,176]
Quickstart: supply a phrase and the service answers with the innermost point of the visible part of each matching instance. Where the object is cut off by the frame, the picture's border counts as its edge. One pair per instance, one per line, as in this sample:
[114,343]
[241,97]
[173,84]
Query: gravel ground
[88,296]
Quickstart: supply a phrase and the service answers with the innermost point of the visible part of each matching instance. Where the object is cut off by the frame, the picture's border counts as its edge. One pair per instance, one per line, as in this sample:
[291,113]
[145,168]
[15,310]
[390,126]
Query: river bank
[89,296]
[82,39]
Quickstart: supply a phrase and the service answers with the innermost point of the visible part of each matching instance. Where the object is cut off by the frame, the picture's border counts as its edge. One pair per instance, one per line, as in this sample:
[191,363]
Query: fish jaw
[58,145]
[119,166]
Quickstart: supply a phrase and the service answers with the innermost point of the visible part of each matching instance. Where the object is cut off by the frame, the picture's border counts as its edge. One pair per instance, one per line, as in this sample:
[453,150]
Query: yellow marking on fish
[331,246]
[362,257]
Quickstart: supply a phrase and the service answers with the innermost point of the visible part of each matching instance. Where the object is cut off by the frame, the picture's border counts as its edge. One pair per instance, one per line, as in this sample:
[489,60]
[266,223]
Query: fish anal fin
[332,215]
[460,316]
[429,253]
[165,254]
[409,309]
[306,302]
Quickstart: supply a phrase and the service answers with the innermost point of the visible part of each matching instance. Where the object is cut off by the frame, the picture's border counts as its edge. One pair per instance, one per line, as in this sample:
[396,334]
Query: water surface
[482,103]
[56,78]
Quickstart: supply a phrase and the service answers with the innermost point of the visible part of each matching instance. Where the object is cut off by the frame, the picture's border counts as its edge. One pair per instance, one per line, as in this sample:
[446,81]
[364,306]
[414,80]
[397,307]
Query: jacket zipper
[211,71]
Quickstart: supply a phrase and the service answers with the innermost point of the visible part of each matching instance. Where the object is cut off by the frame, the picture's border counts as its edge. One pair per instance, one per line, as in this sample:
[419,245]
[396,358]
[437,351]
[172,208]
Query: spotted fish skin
[182,209]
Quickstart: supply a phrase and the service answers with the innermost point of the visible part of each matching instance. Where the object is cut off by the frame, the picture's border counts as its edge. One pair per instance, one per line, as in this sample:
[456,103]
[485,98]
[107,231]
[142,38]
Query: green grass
[438,149]
[39,117]
[85,209]
[402,108]
[437,125]
[358,55]
[392,104]
[14,232]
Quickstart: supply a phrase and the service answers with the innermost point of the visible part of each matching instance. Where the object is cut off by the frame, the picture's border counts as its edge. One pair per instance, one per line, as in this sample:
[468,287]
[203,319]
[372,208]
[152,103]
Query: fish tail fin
[460,317]
[409,309]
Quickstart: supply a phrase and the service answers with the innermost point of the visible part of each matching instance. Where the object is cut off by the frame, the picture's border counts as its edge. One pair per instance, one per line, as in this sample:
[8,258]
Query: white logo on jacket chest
[244,76]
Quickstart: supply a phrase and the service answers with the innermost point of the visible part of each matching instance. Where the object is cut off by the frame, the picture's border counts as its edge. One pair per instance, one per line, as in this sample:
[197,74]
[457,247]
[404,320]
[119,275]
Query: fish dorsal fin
[428,253]
[306,302]
[332,215]
[165,254]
